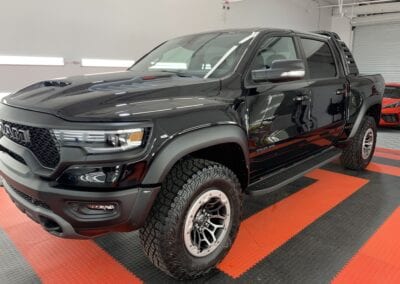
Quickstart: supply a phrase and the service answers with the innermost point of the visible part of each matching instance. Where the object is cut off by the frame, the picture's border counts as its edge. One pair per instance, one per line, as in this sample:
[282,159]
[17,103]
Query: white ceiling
[362,8]
[336,2]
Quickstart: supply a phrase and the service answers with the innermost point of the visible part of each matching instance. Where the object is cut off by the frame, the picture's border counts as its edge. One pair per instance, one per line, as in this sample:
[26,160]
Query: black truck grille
[390,118]
[41,142]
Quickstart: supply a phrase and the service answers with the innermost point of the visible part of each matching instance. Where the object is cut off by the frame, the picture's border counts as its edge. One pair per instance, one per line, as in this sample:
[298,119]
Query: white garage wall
[125,29]
[383,58]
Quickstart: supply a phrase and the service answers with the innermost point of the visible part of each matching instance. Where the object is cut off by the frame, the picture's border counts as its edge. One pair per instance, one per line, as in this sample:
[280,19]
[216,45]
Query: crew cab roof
[321,34]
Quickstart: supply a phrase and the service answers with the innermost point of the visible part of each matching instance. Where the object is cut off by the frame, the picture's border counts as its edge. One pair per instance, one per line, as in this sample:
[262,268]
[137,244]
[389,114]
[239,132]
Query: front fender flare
[190,142]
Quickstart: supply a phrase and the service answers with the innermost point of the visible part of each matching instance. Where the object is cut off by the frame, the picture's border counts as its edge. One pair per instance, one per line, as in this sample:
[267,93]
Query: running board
[287,175]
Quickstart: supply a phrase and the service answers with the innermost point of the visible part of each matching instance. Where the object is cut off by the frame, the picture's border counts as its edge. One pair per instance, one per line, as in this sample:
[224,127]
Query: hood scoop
[126,85]
[49,83]
[55,83]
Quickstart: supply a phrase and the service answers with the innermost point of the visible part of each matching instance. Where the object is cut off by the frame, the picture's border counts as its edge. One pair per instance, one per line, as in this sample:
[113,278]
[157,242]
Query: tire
[353,157]
[165,236]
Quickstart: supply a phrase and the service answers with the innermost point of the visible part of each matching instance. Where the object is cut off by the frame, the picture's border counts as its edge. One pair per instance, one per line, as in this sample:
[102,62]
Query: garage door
[376,49]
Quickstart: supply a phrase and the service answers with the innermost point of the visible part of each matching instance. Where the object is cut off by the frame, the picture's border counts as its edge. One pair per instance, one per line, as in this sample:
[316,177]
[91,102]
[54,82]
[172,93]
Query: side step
[287,175]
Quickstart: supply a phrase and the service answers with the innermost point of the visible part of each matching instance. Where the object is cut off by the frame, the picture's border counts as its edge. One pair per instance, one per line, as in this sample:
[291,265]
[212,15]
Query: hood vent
[127,85]
[56,83]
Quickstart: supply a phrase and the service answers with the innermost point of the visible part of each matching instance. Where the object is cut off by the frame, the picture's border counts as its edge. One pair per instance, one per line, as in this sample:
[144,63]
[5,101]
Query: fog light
[93,209]
[104,207]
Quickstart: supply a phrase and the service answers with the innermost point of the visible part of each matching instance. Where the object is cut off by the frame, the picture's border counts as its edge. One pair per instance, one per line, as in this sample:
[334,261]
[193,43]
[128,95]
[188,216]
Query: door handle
[269,118]
[341,92]
[301,98]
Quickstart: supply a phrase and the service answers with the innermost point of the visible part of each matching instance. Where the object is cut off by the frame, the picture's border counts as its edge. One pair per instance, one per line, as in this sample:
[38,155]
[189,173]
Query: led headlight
[392,105]
[106,177]
[94,141]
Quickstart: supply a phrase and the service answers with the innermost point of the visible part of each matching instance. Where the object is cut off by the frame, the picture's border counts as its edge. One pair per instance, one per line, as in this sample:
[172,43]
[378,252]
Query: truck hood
[119,96]
[389,101]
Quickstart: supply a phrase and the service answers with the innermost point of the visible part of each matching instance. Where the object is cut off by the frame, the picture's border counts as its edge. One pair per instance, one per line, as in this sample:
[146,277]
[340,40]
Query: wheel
[194,220]
[358,154]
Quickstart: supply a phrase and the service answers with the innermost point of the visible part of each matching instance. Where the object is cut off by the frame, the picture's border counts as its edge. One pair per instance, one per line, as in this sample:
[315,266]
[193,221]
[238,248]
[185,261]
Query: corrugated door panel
[376,49]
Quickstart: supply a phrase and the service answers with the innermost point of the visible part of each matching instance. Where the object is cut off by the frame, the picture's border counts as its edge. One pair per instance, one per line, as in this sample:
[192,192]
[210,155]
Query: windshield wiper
[177,73]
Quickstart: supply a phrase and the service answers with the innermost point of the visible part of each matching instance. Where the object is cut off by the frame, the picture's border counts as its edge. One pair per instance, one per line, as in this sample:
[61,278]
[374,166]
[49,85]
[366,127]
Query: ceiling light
[169,65]
[30,60]
[87,62]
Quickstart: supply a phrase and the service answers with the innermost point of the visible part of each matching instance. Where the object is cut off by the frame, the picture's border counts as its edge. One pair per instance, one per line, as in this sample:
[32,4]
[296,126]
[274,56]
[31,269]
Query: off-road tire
[352,154]
[162,235]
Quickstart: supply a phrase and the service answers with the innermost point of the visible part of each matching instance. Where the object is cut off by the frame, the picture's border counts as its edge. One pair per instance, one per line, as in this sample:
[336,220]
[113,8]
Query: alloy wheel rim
[368,143]
[207,223]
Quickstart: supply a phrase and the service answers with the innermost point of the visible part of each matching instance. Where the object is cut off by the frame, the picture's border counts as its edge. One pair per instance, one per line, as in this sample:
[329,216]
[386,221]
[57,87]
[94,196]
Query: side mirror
[280,71]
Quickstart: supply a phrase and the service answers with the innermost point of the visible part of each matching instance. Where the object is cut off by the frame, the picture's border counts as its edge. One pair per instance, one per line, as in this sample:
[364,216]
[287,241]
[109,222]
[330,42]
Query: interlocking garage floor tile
[13,267]
[378,261]
[314,239]
[389,138]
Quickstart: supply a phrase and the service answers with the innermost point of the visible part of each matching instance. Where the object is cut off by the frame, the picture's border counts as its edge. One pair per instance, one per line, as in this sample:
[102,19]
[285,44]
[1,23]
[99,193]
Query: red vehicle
[391,105]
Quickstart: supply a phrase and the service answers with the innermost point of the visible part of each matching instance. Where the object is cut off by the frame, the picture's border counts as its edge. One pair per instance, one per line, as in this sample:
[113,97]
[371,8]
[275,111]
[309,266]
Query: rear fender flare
[363,111]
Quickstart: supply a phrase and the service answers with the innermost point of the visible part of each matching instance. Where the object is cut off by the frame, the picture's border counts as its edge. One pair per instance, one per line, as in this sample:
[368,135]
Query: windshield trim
[390,95]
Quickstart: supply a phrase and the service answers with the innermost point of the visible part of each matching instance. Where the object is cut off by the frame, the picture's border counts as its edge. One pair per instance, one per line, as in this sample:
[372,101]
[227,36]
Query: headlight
[392,105]
[95,142]
[92,176]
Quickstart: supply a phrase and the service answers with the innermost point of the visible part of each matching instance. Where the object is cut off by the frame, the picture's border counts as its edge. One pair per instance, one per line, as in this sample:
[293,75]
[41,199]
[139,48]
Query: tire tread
[159,228]
[351,157]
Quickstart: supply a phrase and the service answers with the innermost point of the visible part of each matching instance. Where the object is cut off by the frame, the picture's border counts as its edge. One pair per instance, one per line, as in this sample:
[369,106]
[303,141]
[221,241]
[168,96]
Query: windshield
[211,55]
[392,93]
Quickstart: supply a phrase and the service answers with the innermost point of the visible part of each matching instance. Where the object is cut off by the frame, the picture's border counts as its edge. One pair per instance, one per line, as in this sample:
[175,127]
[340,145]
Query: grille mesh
[31,200]
[390,118]
[42,143]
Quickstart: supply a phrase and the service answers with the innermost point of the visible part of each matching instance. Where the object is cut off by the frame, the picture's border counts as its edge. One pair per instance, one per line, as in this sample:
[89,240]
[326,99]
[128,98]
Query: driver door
[278,112]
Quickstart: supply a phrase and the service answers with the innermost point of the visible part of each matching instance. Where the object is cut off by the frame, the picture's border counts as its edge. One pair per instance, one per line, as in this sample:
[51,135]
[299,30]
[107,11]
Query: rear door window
[320,60]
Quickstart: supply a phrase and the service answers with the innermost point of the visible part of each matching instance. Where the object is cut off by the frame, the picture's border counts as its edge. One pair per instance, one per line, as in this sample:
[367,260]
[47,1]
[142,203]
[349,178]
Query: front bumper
[54,208]
[61,210]
[390,117]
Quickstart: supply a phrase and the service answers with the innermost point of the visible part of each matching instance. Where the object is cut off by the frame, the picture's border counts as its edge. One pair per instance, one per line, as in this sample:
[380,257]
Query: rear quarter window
[392,92]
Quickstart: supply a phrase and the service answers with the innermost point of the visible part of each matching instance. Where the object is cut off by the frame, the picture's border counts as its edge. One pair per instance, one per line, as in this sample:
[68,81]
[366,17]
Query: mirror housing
[280,71]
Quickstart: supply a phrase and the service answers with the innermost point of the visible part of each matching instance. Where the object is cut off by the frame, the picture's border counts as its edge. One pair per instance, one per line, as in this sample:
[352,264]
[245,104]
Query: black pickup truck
[171,145]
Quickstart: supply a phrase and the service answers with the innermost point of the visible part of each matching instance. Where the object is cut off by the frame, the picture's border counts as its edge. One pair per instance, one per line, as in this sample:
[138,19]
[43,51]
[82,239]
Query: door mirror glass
[280,71]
